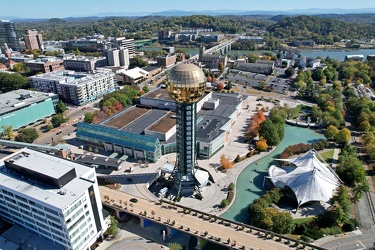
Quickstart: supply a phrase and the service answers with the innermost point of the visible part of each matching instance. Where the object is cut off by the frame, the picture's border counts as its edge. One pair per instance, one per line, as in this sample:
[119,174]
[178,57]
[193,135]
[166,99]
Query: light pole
[338,244]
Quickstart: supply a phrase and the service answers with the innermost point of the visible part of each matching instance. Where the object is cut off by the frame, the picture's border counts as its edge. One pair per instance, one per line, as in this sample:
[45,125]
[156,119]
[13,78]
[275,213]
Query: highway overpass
[204,226]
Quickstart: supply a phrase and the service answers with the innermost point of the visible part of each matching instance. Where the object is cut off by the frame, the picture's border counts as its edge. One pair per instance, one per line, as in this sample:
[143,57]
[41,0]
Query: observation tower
[186,85]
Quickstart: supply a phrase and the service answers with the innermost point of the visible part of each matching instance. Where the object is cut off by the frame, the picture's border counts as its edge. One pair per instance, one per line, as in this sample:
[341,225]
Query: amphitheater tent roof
[310,180]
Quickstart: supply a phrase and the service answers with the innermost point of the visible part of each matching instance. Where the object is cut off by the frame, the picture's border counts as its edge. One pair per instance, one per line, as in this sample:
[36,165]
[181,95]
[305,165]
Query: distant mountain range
[315,11]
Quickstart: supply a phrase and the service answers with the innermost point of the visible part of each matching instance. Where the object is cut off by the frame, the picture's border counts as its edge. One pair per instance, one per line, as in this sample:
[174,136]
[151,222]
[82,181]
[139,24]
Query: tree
[174,246]
[224,203]
[221,66]
[137,61]
[27,135]
[231,186]
[113,228]
[7,132]
[146,89]
[269,132]
[360,189]
[289,72]
[261,144]
[318,75]
[225,162]
[61,107]
[262,84]
[220,86]
[331,132]
[343,137]
[88,117]
[57,120]
[364,126]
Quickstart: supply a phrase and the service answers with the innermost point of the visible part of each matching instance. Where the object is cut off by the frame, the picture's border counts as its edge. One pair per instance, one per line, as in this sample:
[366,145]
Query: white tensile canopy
[310,180]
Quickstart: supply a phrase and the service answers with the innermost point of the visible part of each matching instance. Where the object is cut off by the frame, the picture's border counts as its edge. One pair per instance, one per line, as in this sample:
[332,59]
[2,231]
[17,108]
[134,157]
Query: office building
[52,197]
[74,87]
[33,40]
[83,45]
[19,108]
[166,61]
[164,34]
[125,43]
[45,64]
[84,63]
[8,36]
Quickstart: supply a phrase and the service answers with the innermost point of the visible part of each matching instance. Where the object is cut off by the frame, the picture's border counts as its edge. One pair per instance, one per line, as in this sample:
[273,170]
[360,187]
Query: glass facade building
[8,35]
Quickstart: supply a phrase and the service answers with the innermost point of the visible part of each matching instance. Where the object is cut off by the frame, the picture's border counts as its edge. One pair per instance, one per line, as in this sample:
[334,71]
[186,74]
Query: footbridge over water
[205,227]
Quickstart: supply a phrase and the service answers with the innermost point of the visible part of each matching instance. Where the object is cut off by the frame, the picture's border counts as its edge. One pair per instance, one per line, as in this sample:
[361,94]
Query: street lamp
[338,244]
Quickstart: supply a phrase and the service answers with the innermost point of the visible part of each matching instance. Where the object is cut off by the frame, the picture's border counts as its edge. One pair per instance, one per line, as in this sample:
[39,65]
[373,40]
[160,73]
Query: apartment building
[74,87]
[118,57]
[45,64]
[125,43]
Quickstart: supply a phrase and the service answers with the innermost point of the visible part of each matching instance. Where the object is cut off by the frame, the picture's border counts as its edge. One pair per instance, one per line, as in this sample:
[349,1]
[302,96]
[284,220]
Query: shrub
[350,225]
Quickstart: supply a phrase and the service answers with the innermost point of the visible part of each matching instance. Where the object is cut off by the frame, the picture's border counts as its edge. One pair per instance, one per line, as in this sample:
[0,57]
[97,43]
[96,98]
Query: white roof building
[310,179]
[52,197]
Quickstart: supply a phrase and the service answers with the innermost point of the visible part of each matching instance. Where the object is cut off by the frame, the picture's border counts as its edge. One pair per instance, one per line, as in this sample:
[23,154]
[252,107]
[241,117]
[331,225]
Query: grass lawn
[302,220]
[328,155]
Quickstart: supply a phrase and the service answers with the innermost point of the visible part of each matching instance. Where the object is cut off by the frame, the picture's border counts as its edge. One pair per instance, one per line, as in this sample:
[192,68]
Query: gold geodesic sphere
[186,83]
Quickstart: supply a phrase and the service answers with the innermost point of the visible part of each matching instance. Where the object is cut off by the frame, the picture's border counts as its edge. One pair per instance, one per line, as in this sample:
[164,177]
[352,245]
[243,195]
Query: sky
[67,8]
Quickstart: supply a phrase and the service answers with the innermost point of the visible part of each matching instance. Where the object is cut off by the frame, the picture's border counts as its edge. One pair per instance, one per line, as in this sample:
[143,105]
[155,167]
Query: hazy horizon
[83,8]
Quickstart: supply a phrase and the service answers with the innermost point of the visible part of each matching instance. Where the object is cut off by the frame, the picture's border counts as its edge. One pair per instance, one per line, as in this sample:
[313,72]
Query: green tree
[331,132]
[57,120]
[364,126]
[88,117]
[318,75]
[113,228]
[360,189]
[350,170]
[61,107]
[343,137]
[7,132]
[137,61]
[10,82]
[27,135]
[146,89]
[289,72]
[174,246]
[262,84]
[269,132]
[231,186]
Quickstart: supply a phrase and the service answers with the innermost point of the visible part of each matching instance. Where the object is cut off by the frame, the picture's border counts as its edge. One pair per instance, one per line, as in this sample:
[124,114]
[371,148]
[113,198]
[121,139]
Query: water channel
[253,175]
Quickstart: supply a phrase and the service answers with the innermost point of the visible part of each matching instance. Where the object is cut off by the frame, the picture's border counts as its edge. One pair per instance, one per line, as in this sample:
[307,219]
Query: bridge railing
[243,226]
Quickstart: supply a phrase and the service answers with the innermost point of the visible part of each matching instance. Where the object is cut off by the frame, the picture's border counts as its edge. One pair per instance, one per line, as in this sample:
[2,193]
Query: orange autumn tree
[225,162]
[254,125]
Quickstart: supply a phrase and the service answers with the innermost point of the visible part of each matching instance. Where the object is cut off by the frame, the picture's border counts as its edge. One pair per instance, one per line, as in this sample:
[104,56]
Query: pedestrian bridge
[203,226]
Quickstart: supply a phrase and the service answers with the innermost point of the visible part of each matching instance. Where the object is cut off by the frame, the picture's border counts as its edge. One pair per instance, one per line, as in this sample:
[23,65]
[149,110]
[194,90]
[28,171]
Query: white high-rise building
[52,197]
[118,57]
[126,43]
[113,57]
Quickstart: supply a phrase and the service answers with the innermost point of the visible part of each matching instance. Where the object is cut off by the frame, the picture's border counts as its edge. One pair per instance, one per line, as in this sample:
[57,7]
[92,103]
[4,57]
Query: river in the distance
[234,54]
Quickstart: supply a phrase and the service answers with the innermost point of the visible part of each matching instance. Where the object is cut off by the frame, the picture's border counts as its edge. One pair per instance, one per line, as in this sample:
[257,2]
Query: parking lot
[248,79]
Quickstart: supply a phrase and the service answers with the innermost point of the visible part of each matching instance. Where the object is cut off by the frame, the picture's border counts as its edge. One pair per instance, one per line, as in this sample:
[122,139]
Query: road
[75,115]
[194,224]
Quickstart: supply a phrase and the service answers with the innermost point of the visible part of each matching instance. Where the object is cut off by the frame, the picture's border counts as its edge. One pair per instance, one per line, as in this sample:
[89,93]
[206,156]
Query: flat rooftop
[164,124]
[13,100]
[122,119]
[46,164]
[209,127]
[139,125]
[159,94]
